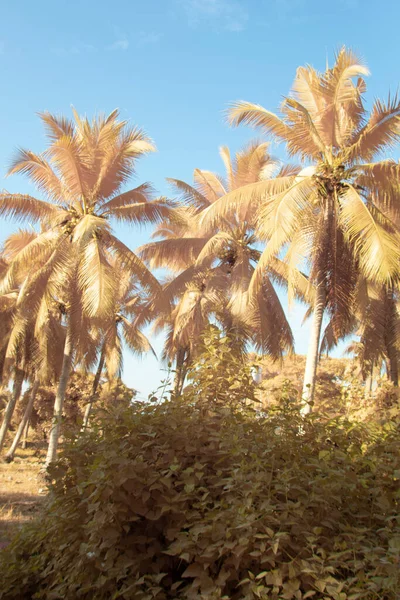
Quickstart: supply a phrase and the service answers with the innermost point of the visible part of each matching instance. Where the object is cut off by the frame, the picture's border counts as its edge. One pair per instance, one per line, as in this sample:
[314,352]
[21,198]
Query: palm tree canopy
[338,214]
[214,263]
[81,176]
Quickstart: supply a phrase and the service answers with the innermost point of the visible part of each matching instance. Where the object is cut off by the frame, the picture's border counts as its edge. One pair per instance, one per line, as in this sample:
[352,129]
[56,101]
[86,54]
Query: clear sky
[172,67]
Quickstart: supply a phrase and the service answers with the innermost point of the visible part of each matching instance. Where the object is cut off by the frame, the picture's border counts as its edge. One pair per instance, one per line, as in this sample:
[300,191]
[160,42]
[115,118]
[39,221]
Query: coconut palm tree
[16,351]
[119,328]
[44,366]
[81,174]
[379,330]
[9,457]
[215,263]
[327,215]
[33,353]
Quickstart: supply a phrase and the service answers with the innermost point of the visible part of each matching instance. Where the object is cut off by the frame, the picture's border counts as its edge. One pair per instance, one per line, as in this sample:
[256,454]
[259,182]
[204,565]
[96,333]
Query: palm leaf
[66,156]
[136,341]
[96,281]
[381,131]
[175,254]
[140,194]
[56,127]
[142,213]
[230,171]
[209,185]
[132,263]
[17,242]
[257,116]
[40,173]
[377,246]
[23,206]
[118,160]
[189,194]
[254,193]
[303,138]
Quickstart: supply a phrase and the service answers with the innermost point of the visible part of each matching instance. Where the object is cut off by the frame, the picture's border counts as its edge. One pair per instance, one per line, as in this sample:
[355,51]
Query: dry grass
[20,498]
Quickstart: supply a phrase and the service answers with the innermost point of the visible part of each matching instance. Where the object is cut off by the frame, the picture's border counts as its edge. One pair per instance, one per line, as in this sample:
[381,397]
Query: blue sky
[172,67]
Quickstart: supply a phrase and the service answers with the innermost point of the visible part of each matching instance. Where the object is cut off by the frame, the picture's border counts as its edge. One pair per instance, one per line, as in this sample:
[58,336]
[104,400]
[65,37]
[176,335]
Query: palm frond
[136,341]
[140,194]
[214,246]
[23,206]
[306,89]
[118,160]
[16,242]
[303,137]
[257,116]
[254,193]
[66,156]
[132,263]
[113,353]
[208,184]
[96,281]
[56,127]
[381,131]
[377,244]
[89,226]
[265,315]
[175,254]
[188,194]
[36,252]
[39,171]
[143,213]
[229,167]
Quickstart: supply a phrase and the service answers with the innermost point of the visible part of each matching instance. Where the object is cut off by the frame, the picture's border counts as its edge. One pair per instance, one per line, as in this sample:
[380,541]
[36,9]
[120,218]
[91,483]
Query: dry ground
[21,492]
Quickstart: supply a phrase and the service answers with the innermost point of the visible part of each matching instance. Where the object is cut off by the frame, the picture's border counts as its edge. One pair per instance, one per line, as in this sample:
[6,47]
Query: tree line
[325,226]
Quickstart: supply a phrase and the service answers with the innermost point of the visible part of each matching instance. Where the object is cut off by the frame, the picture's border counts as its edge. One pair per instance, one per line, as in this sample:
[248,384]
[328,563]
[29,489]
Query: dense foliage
[211,499]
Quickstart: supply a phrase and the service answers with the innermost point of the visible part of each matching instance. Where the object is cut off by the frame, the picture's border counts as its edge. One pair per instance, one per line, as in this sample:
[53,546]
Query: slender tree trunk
[59,401]
[369,381]
[391,349]
[185,368]
[24,423]
[313,348]
[178,383]
[95,385]
[19,376]
[376,373]
[25,440]
[393,366]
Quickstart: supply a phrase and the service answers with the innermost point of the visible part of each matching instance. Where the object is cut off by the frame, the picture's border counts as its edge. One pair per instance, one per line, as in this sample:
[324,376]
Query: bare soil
[21,492]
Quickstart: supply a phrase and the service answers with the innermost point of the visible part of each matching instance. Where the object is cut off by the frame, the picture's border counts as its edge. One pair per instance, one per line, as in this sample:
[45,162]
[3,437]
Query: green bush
[198,501]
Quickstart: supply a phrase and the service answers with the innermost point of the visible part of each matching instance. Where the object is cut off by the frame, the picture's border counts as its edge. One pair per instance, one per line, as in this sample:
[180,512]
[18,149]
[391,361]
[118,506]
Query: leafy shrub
[188,499]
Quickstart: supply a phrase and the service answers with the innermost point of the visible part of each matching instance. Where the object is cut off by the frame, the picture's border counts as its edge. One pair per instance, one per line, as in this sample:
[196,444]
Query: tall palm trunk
[313,348]
[185,369]
[59,401]
[19,376]
[390,338]
[393,365]
[368,381]
[25,440]
[24,423]
[180,359]
[95,385]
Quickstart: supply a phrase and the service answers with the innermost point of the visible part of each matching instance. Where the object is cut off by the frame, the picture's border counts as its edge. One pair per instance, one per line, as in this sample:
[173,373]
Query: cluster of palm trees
[325,227]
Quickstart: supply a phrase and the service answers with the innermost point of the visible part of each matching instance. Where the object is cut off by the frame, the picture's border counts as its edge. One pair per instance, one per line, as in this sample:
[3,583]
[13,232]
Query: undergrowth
[204,497]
